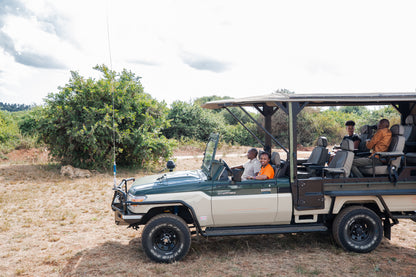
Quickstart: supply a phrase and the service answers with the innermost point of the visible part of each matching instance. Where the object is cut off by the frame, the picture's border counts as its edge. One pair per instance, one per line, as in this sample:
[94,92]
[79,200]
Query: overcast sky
[189,49]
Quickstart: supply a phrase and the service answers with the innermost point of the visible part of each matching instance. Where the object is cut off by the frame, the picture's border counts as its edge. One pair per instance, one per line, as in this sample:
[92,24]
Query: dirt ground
[54,226]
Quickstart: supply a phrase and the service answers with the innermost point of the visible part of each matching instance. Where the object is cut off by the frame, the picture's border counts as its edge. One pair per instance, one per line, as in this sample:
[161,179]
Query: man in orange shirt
[380,142]
[266,171]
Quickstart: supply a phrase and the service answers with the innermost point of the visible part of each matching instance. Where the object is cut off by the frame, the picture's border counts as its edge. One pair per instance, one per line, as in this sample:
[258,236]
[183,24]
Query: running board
[412,217]
[268,229]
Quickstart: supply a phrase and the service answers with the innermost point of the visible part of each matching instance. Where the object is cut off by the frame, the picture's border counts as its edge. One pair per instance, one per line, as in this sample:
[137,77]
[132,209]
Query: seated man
[380,142]
[350,127]
[252,167]
[266,171]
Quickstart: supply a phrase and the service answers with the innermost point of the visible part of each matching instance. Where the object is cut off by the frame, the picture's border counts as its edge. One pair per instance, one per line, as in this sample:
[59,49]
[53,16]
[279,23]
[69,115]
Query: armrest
[410,143]
[308,164]
[316,166]
[362,154]
[334,170]
[389,154]
[301,161]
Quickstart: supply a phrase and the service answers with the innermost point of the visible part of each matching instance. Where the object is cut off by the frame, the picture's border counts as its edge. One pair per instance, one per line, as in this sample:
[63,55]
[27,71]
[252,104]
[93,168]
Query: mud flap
[387,228]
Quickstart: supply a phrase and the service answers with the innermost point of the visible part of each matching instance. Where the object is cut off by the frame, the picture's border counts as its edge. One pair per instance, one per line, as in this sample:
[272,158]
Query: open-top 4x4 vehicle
[304,196]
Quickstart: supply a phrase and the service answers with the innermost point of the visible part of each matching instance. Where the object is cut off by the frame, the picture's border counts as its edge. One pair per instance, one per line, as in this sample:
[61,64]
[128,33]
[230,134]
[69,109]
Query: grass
[53,226]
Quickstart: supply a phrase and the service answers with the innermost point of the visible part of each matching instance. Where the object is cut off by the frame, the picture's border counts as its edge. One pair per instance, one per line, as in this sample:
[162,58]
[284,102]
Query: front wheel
[166,238]
[357,229]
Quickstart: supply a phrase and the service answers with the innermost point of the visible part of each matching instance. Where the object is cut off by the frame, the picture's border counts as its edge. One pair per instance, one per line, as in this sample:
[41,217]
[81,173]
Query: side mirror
[170,165]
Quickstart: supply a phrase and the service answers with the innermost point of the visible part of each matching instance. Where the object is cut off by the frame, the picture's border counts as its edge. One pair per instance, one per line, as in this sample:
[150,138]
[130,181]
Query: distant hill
[14,107]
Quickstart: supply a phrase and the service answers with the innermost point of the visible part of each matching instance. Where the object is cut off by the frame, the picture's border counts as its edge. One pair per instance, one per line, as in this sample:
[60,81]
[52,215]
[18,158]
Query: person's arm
[266,173]
[257,168]
[374,140]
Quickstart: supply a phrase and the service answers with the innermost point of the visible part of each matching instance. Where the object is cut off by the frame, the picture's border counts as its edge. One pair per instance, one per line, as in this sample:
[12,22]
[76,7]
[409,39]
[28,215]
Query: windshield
[210,153]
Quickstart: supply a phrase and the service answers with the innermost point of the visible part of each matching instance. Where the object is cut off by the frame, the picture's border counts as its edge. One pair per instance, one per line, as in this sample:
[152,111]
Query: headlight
[138,199]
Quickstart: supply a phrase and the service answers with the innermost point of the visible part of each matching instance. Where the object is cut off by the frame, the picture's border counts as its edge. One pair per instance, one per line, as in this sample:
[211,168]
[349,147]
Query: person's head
[265,158]
[384,123]
[252,153]
[350,126]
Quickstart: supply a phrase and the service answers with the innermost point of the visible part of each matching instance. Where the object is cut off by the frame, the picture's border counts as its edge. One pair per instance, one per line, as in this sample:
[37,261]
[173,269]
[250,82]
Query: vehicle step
[412,217]
[268,229]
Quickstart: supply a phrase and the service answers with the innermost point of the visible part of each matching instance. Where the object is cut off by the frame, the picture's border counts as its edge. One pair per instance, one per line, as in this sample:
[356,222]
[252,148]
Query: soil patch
[55,226]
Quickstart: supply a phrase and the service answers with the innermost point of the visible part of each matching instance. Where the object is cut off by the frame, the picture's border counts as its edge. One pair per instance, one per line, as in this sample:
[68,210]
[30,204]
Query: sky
[187,49]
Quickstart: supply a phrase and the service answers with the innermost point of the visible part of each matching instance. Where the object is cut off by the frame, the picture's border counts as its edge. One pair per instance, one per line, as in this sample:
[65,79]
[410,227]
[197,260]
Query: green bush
[191,121]
[28,121]
[77,124]
[9,132]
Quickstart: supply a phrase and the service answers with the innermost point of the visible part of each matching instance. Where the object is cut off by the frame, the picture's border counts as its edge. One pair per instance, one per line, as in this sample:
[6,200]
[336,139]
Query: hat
[350,123]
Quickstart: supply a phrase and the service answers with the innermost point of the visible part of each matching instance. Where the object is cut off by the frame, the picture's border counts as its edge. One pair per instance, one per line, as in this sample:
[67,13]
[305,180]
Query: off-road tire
[166,238]
[357,229]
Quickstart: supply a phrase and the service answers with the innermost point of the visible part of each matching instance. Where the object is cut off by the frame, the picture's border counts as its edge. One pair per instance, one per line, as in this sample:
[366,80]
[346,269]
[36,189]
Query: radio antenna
[112,93]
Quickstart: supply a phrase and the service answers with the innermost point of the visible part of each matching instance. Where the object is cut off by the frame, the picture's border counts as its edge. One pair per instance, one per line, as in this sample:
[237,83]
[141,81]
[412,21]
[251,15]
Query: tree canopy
[77,122]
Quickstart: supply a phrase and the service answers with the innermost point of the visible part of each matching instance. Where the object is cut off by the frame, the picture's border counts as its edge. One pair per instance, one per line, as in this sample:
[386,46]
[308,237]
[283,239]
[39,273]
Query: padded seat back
[410,133]
[319,155]
[397,146]
[366,132]
[342,162]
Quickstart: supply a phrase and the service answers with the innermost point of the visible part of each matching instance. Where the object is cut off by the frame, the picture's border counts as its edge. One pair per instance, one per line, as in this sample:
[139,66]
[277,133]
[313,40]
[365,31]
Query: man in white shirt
[252,167]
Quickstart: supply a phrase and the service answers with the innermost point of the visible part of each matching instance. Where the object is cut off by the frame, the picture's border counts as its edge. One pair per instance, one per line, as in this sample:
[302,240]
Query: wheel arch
[179,208]
[371,202]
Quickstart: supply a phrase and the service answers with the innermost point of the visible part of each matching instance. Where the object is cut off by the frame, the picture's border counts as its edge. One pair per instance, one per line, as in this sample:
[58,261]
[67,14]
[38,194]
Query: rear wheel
[357,229]
[166,238]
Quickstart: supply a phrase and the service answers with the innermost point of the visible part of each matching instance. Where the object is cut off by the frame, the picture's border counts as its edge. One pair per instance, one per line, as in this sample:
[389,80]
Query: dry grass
[53,226]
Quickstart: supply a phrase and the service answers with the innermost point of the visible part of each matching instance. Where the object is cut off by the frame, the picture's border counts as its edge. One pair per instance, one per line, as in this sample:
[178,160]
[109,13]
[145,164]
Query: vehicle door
[248,202]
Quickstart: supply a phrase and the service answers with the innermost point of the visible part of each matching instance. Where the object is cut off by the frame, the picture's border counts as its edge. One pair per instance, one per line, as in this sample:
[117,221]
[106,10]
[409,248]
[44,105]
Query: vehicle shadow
[216,256]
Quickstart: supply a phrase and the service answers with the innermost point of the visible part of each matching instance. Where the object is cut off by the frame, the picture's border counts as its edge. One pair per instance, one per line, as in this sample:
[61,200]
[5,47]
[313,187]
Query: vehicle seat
[317,159]
[410,139]
[319,155]
[275,162]
[341,164]
[366,132]
[392,158]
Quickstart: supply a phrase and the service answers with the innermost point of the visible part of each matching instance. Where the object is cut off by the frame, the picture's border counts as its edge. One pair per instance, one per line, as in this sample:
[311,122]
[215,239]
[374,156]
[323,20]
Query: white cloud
[188,49]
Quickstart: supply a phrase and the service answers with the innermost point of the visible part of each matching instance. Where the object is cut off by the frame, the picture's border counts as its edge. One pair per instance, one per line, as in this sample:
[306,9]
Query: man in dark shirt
[350,126]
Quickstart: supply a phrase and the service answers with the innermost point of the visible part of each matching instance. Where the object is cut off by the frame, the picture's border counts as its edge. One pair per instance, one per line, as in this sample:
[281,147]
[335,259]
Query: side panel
[199,201]
[251,203]
[395,203]
[310,194]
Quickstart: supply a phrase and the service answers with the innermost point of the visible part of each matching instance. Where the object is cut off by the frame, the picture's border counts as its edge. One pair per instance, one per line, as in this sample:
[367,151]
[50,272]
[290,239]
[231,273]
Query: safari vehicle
[306,197]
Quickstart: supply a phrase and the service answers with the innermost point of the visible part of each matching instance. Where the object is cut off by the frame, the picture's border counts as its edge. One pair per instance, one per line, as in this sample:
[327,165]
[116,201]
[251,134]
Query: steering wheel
[226,167]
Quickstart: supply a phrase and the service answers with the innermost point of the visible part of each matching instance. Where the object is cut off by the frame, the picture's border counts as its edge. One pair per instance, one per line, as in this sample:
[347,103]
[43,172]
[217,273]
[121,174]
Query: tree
[77,122]
[191,121]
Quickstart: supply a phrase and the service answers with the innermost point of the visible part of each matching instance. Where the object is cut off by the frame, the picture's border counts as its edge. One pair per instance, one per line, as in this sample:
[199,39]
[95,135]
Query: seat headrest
[365,129]
[347,145]
[322,141]
[275,158]
[397,130]
[410,119]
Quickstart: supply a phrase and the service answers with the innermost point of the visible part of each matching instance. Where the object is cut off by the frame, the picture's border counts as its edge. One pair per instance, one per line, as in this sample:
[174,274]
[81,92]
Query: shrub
[77,122]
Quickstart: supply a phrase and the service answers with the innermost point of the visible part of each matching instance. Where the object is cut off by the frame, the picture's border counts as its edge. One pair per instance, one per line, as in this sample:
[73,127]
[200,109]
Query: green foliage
[204,99]
[358,110]
[237,134]
[9,131]
[77,123]
[314,122]
[28,121]
[192,121]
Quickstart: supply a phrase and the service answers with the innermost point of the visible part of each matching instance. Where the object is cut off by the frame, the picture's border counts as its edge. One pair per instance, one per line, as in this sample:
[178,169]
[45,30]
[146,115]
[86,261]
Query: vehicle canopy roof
[318,99]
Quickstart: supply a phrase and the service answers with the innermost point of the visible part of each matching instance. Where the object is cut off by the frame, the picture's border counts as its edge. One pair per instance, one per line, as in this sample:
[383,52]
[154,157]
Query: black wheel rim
[360,230]
[165,239]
